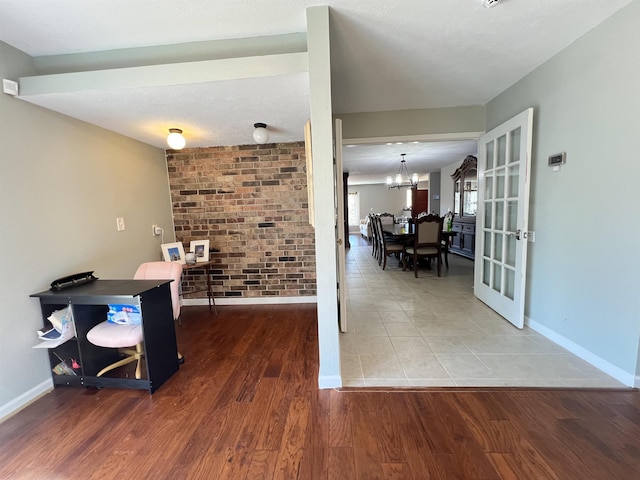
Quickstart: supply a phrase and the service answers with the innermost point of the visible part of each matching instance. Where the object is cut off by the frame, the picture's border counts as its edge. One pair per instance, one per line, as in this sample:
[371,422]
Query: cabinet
[465,205]
[89,305]
[464,242]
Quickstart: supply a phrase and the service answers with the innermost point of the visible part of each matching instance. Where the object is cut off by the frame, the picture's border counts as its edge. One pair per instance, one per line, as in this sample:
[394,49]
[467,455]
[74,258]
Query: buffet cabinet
[464,242]
[465,206]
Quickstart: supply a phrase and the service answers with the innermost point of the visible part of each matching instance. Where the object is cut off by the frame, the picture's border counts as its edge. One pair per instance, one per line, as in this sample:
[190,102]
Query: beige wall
[63,183]
[414,123]
[582,287]
[250,201]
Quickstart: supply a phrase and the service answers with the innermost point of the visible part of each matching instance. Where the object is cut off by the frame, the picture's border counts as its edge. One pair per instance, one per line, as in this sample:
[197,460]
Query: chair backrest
[379,233]
[386,218]
[163,271]
[428,231]
[374,226]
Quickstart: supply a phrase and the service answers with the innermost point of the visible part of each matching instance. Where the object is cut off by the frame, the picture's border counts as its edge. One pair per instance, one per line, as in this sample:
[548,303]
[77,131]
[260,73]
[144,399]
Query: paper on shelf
[58,334]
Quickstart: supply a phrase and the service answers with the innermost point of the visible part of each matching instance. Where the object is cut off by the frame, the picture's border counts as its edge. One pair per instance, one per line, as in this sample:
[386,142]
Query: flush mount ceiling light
[403,180]
[490,3]
[260,134]
[175,139]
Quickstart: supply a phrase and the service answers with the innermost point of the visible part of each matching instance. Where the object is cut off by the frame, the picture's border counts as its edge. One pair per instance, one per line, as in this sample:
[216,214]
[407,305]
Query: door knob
[516,234]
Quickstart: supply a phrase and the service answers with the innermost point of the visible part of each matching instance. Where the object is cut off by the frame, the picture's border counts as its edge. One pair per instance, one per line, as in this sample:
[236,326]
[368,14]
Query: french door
[340,230]
[504,172]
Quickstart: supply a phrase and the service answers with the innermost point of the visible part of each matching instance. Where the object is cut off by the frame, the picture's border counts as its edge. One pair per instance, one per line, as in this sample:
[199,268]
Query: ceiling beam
[166,74]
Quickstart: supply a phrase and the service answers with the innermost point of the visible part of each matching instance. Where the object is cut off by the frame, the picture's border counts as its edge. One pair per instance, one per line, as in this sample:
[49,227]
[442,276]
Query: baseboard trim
[601,364]
[329,381]
[28,397]
[250,300]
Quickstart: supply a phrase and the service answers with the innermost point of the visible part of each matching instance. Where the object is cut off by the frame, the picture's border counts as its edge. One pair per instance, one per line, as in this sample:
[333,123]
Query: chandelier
[402,179]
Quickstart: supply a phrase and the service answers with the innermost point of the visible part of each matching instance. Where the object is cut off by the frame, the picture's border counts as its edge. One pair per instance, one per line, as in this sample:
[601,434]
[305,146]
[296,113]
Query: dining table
[400,232]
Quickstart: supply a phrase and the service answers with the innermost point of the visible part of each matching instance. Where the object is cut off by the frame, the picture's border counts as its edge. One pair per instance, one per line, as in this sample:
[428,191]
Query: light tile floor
[429,331]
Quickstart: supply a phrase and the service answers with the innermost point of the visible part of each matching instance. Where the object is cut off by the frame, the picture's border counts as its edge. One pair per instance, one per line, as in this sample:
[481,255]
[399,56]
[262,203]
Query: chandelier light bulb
[175,140]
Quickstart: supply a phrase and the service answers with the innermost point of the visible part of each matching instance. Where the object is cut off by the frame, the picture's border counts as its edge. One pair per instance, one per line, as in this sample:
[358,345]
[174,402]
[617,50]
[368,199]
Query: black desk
[89,306]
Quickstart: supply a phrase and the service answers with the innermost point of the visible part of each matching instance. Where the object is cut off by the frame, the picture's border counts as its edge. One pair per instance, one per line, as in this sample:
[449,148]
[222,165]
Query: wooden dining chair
[427,243]
[387,246]
[375,239]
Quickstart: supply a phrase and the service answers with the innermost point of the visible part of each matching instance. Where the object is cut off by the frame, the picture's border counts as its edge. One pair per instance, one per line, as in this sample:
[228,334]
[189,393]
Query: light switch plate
[120,223]
[10,87]
[557,159]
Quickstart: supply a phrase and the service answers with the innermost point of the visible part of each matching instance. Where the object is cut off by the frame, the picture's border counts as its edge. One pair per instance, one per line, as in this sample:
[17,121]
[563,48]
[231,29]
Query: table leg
[212,300]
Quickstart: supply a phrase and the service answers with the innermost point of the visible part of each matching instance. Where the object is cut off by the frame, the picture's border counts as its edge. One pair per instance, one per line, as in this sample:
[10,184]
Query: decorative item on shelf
[173,252]
[200,248]
[260,134]
[175,139]
[402,178]
[190,258]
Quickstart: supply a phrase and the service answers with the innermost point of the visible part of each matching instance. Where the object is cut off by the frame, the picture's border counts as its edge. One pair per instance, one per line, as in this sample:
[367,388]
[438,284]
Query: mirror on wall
[465,188]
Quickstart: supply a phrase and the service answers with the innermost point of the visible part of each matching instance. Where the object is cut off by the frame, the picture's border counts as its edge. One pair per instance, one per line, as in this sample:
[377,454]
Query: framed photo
[201,249]
[173,252]
[309,159]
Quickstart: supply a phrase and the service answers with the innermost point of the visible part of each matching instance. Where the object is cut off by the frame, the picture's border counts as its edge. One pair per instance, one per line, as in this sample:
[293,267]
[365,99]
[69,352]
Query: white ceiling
[386,55]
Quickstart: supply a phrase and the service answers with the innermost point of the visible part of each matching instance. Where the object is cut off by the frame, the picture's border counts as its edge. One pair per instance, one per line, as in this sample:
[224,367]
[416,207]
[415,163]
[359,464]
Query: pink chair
[164,271]
[127,337]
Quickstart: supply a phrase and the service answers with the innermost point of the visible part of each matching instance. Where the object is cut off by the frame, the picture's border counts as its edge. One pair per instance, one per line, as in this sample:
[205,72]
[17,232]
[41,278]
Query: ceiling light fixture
[260,134]
[490,3]
[175,139]
[403,173]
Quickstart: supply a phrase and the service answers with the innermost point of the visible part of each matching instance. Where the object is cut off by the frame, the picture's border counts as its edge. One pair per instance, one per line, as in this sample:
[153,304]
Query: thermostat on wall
[557,159]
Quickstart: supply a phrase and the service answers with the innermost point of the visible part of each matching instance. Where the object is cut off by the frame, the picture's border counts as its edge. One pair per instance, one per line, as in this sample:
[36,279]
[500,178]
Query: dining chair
[387,221]
[375,239]
[387,246]
[427,243]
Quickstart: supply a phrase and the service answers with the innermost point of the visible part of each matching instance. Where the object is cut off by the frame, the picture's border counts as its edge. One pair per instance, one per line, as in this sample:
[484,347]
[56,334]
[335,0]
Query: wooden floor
[246,405]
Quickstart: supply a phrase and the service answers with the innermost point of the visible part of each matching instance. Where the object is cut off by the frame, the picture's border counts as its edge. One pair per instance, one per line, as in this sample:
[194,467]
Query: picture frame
[309,165]
[201,249]
[173,252]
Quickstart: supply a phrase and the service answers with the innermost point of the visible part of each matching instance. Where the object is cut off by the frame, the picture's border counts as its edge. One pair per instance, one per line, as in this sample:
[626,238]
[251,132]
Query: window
[409,202]
[354,208]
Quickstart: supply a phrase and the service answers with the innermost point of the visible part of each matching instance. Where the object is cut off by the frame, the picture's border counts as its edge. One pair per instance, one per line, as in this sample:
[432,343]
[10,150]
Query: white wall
[323,180]
[379,199]
[446,186]
[582,285]
[63,184]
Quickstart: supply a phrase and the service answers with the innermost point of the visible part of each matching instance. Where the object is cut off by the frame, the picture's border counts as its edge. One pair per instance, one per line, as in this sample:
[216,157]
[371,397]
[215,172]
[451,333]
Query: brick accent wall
[250,201]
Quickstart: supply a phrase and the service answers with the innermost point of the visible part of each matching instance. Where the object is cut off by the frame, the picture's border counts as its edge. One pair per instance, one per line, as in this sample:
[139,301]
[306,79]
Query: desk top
[125,288]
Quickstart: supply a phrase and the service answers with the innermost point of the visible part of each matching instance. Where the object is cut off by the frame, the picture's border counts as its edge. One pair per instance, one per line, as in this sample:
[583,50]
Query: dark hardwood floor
[246,405]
